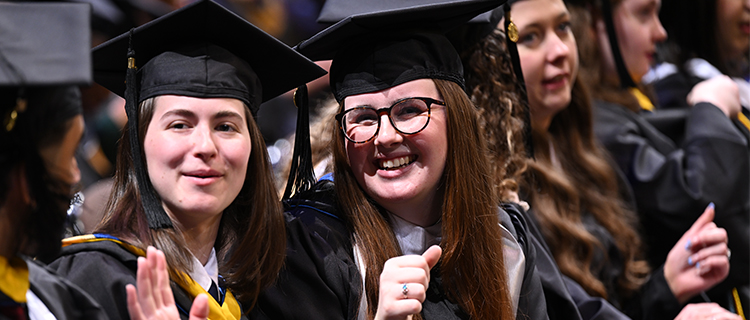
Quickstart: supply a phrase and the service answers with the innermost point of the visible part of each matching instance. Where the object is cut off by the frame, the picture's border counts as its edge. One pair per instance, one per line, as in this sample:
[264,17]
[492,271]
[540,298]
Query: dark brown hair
[591,71]
[472,263]
[252,226]
[492,86]
[584,182]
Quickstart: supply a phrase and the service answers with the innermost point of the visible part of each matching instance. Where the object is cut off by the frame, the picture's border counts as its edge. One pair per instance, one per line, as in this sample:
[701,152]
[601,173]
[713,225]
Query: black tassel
[301,173]
[511,36]
[157,218]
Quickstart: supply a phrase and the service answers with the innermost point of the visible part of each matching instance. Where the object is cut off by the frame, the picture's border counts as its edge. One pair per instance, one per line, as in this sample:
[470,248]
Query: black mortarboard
[204,50]
[44,55]
[201,50]
[378,50]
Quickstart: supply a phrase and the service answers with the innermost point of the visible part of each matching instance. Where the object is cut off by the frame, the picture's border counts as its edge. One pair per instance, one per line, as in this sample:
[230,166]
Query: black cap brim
[336,10]
[438,17]
[44,44]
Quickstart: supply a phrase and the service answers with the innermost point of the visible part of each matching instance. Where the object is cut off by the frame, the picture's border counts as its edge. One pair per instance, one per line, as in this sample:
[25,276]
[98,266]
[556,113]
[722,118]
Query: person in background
[672,181]
[706,39]
[575,196]
[40,110]
[193,177]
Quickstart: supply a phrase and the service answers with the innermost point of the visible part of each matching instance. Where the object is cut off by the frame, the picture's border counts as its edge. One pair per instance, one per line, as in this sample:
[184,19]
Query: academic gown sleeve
[64,300]
[673,185]
[101,275]
[319,279]
[532,303]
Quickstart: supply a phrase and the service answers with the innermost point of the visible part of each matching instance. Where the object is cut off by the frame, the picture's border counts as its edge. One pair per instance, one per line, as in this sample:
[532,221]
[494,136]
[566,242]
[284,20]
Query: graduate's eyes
[227,127]
[178,125]
[529,39]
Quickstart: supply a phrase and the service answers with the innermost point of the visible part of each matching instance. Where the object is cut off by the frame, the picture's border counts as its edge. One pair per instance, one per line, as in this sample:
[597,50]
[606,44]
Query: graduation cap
[381,49]
[378,50]
[44,55]
[201,50]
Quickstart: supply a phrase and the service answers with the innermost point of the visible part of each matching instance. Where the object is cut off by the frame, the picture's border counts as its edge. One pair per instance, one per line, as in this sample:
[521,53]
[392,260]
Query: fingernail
[711,205]
[698,265]
[688,244]
[690,261]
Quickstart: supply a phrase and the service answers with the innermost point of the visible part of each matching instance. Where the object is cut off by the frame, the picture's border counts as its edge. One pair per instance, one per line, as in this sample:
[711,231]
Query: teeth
[395,163]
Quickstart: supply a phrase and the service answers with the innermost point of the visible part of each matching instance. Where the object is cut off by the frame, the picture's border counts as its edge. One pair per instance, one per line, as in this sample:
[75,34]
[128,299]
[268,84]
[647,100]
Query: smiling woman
[193,177]
[410,228]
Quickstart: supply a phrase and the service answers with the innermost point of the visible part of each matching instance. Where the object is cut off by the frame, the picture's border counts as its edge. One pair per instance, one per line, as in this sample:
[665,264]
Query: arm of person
[673,184]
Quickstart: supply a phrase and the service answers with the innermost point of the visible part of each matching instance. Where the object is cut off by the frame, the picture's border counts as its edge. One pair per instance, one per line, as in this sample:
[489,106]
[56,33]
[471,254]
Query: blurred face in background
[733,29]
[59,158]
[549,57]
[638,31]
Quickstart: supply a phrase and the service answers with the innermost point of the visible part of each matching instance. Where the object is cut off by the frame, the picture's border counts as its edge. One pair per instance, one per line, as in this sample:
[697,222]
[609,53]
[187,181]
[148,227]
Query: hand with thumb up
[403,284]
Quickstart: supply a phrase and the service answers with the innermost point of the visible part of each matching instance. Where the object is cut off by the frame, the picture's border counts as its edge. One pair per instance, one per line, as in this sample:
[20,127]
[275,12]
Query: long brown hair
[591,71]
[472,264]
[251,238]
[558,196]
[582,181]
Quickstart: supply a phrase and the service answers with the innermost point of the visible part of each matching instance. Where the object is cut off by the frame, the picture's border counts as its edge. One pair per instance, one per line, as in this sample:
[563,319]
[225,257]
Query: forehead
[528,12]
[166,103]
[416,88]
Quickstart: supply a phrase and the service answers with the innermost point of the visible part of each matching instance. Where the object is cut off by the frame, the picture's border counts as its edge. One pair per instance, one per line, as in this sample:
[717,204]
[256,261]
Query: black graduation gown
[63,299]
[673,184]
[103,268]
[565,298]
[320,279]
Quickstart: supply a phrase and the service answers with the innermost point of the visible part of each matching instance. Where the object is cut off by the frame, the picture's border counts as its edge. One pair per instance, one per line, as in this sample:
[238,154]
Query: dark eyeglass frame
[428,101]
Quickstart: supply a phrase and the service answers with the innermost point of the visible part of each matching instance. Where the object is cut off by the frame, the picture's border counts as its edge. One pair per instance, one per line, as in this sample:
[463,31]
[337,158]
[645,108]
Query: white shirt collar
[203,275]
[412,238]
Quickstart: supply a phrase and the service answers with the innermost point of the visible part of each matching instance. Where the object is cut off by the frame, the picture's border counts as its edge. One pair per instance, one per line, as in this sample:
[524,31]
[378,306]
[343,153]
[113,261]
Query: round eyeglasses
[408,116]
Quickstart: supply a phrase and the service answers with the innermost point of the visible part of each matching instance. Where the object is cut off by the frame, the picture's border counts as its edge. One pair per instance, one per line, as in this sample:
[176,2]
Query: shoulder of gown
[64,299]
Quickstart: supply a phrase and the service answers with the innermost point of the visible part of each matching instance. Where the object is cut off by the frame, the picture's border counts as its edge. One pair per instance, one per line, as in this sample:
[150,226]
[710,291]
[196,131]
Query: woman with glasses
[410,226]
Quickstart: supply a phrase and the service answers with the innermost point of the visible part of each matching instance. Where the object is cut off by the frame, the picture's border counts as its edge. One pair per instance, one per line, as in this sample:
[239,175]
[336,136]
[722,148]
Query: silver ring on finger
[405,291]
[729,254]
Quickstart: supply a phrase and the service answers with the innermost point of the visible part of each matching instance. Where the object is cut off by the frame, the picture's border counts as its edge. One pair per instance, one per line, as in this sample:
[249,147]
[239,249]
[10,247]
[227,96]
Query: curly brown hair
[583,182]
[491,85]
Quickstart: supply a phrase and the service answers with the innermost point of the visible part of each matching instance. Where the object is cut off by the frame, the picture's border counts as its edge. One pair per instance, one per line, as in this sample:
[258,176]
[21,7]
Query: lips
[396,163]
[203,174]
[555,82]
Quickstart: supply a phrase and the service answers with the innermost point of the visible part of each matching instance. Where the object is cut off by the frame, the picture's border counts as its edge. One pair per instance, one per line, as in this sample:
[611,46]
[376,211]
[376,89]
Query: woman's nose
[387,135]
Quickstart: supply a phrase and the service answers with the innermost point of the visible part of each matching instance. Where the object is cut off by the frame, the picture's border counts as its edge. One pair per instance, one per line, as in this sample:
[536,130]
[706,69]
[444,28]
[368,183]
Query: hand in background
[707,311]
[720,91]
[699,260]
